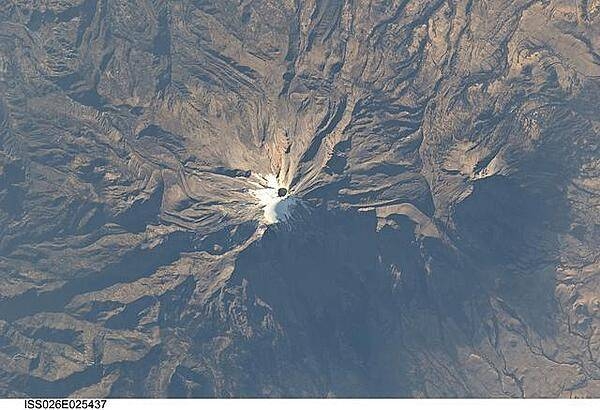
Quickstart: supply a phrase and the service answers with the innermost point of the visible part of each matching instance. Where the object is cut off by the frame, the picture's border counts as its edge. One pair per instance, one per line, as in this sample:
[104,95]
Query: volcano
[310,198]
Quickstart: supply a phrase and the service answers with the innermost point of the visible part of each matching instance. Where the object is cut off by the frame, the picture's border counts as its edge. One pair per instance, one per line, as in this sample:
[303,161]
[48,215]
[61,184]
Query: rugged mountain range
[439,236]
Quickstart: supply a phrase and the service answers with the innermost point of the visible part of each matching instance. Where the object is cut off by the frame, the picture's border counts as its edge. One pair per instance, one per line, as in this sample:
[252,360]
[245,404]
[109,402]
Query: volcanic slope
[438,237]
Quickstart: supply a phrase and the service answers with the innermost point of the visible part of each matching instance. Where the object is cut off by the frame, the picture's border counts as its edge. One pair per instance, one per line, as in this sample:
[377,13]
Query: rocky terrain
[440,236]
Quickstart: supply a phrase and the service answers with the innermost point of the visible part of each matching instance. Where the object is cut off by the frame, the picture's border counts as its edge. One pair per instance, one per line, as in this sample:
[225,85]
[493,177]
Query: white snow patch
[276,208]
